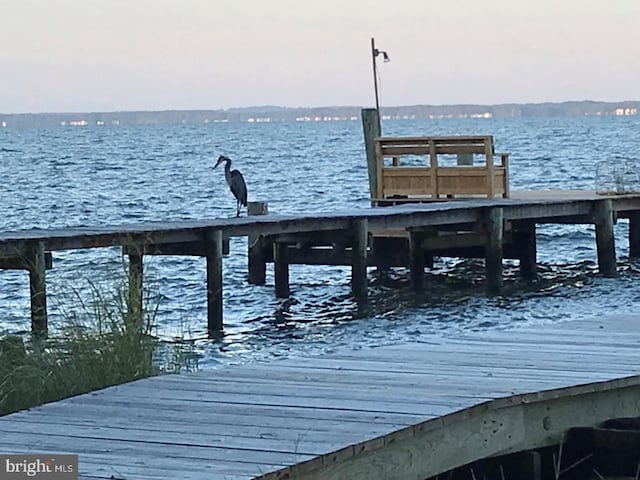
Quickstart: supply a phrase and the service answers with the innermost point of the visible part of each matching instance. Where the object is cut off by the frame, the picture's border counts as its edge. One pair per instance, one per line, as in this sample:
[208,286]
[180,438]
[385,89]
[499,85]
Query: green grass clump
[116,348]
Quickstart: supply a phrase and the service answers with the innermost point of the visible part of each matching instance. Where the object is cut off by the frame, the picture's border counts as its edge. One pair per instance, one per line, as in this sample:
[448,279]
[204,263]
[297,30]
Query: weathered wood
[371,129]
[359,253]
[214,284]
[187,236]
[524,242]
[349,413]
[281,269]
[19,262]
[611,451]
[504,164]
[464,159]
[391,253]
[313,239]
[634,235]
[429,260]
[490,167]
[135,304]
[199,248]
[451,240]
[540,205]
[388,252]
[434,187]
[530,465]
[257,264]
[394,252]
[500,426]
[38,289]
[494,228]
[603,218]
[416,259]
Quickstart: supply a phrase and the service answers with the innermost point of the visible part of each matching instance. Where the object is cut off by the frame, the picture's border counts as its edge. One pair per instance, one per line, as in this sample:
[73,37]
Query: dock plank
[154,461]
[539,205]
[248,420]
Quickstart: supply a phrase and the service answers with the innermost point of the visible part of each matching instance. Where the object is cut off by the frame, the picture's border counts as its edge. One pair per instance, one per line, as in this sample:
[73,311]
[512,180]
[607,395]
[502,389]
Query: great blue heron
[235,180]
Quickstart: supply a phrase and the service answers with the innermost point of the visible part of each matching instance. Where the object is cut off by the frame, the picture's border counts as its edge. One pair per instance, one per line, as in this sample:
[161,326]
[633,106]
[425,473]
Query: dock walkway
[347,414]
[489,228]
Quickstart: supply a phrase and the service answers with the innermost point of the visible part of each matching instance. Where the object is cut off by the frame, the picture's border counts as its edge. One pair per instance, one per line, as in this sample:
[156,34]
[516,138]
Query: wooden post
[257,266]
[281,269]
[428,261]
[416,259]
[359,260]
[380,252]
[433,166]
[488,150]
[371,128]
[38,288]
[504,158]
[464,159]
[214,284]
[603,217]
[494,221]
[524,240]
[134,306]
[527,465]
[428,257]
[634,235]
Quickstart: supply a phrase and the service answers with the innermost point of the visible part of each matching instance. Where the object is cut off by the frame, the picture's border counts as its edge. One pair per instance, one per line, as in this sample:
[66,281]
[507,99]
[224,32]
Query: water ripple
[109,175]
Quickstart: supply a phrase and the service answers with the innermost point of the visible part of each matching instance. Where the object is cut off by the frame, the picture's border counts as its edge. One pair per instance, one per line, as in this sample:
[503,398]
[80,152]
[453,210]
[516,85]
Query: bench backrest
[434,179]
[394,147]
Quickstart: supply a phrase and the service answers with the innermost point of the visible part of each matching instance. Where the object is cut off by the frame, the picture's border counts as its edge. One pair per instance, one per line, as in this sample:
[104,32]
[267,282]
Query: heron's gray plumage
[236,182]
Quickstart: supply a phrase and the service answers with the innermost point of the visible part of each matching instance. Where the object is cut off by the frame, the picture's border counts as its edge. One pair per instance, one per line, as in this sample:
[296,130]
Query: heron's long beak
[219,162]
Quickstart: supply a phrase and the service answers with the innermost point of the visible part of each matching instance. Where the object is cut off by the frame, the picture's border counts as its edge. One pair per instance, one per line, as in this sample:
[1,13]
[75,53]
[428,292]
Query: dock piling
[359,260]
[416,259]
[494,221]
[281,269]
[134,306]
[603,218]
[214,284]
[634,235]
[524,240]
[383,237]
[371,128]
[257,263]
[37,285]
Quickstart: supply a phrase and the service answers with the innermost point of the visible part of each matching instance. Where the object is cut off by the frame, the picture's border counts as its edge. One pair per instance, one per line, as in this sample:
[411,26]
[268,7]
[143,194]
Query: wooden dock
[401,411]
[493,228]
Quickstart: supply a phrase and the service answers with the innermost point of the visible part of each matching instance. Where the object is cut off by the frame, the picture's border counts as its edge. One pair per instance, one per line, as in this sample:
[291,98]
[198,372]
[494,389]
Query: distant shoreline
[263,114]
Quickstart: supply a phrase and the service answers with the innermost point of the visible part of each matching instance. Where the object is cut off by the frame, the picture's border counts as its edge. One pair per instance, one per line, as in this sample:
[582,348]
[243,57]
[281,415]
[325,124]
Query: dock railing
[432,168]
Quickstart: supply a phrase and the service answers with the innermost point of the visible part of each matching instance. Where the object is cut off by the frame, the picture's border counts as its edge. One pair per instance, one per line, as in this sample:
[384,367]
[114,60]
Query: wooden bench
[412,168]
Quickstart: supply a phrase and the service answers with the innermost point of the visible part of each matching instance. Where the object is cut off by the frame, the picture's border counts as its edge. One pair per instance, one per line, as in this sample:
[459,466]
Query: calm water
[86,176]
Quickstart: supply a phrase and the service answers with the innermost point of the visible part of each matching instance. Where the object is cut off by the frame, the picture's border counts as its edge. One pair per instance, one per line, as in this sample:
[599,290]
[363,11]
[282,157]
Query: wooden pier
[400,235]
[411,410]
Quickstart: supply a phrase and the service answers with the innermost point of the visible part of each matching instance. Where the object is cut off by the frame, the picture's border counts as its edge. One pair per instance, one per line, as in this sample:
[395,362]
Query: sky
[109,55]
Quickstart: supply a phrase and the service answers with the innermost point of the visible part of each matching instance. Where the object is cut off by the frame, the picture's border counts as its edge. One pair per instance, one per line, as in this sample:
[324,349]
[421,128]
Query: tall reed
[102,342]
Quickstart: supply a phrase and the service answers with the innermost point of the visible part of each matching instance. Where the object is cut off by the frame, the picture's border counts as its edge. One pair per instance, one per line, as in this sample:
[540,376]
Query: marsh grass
[35,373]
[101,341]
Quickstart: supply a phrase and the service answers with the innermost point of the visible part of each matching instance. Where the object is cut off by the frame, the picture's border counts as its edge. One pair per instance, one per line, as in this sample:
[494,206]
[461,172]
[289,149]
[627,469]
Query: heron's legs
[237,209]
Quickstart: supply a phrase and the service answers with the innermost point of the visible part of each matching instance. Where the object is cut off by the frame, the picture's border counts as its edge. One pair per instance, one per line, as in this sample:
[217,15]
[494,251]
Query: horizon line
[281,107]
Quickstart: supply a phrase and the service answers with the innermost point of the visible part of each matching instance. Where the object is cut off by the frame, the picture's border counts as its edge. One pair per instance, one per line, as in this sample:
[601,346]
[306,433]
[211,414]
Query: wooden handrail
[434,180]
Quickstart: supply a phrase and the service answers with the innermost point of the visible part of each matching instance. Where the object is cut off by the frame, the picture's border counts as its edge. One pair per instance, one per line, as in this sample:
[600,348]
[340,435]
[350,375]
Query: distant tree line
[284,114]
